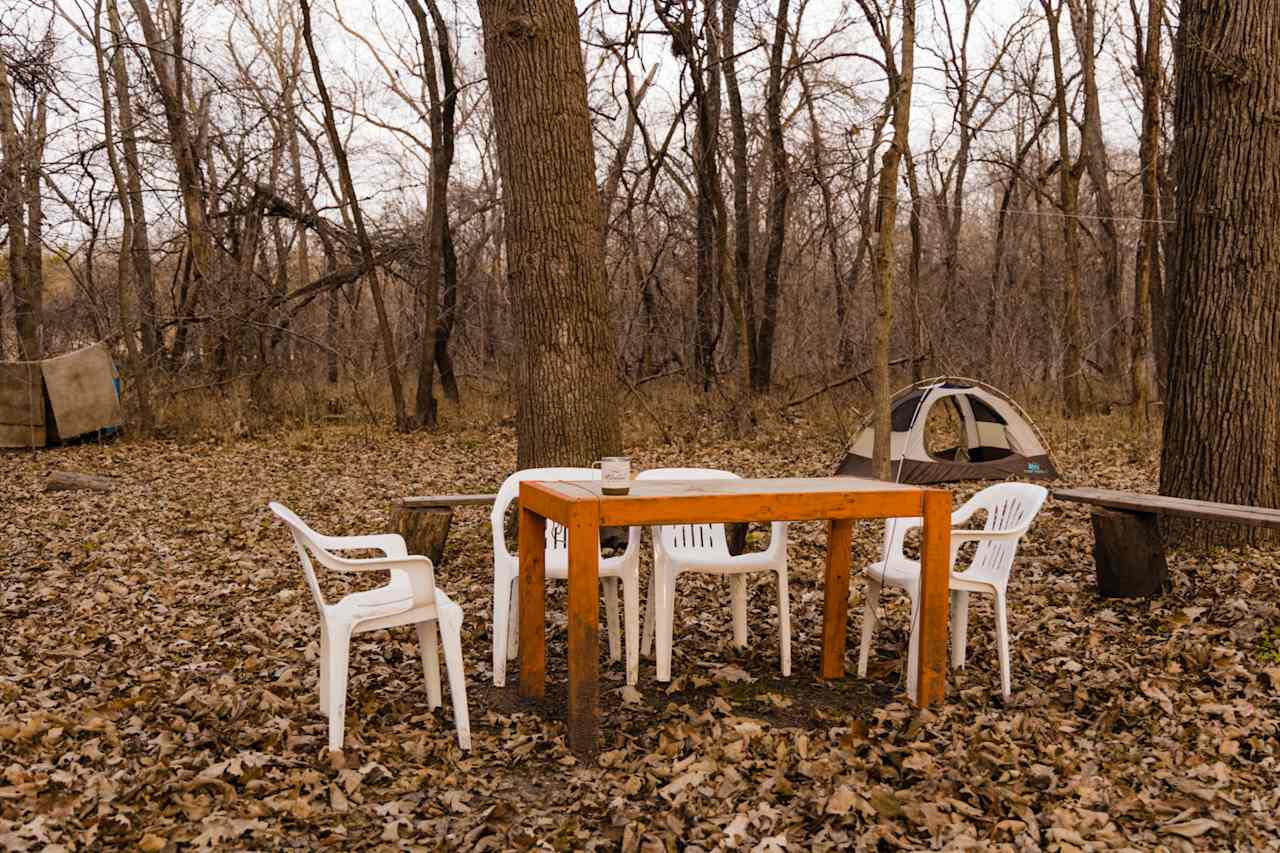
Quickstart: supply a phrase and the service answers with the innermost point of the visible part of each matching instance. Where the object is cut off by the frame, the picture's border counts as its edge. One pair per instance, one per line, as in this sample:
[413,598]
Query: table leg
[532,590]
[935,582]
[835,602]
[584,628]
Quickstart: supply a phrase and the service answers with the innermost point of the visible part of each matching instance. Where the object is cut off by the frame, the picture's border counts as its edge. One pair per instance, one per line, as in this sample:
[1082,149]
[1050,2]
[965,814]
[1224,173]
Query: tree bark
[1222,420]
[566,382]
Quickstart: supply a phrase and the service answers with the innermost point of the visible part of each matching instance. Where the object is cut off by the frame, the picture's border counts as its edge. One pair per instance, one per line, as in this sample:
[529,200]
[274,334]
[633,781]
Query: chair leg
[513,624]
[631,618]
[664,606]
[427,648]
[324,670]
[959,626]
[451,636]
[611,617]
[501,615]
[913,646]
[646,636]
[339,660]
[869,624]
[738,593]
[784,620]
[1002,643]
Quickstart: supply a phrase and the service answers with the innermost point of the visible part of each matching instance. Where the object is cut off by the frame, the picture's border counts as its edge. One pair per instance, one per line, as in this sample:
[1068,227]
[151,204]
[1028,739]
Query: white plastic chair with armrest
[411,598]
[679,548]
[623,569]
[1010,509]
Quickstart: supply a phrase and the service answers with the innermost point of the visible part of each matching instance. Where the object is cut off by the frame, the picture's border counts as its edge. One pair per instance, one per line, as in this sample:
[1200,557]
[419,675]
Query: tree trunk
[745,316]
[140,243]
[125,263]
[567,389]
[1222,421]
[167,60]
[1093,151]
[900,80]
[1147,264]
[32,172]
[357,216]
[26,318]
[1068,189]
[779,190]
[442,109]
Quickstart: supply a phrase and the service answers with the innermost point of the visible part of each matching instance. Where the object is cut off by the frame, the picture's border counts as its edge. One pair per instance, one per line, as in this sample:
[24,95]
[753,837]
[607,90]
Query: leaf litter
[158,678]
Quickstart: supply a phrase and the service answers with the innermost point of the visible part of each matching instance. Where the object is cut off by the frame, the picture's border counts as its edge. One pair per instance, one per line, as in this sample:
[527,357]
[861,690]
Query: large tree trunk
[566,382]
[1222,422]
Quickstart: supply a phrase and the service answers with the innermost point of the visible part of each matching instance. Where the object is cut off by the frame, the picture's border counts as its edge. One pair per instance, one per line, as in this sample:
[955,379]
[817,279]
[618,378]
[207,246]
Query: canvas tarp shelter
[998,440]
[58,398]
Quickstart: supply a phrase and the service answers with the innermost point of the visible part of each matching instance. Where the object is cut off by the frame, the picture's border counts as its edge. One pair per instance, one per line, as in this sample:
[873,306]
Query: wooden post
[425,529]
[584,626]
[835,600]
[935,583]
[532,585]
[1128,554]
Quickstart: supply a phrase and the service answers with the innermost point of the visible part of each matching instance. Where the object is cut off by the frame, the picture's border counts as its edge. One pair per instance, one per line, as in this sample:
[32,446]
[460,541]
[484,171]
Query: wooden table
[583,510]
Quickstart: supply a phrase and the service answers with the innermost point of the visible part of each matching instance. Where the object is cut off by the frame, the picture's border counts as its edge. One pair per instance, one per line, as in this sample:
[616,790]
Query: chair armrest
[391,544]
[419,570]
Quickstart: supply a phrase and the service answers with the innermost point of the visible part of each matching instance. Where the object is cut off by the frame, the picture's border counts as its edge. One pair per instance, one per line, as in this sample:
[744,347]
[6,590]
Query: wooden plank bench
[424,521]
[1128,545]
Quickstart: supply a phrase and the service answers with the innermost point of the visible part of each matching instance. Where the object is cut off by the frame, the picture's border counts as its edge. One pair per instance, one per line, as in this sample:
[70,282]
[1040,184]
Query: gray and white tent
[998,439]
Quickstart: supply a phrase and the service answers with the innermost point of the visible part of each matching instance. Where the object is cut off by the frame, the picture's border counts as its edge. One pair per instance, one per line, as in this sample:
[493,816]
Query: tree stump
[1128,553]
[425,529]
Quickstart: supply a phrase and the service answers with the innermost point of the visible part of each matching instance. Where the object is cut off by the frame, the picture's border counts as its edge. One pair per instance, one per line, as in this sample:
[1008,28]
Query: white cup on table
[615,474]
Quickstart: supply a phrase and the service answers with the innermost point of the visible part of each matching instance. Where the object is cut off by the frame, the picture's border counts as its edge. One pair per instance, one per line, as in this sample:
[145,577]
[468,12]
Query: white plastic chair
[411,598]
[1010,509]
[624,569]
[682,548]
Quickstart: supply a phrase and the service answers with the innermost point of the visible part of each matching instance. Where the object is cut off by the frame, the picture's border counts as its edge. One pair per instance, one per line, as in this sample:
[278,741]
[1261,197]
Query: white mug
[615,474]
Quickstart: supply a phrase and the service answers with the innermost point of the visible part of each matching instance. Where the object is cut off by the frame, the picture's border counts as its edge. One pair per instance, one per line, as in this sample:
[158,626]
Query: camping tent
[998,439]
[58,398]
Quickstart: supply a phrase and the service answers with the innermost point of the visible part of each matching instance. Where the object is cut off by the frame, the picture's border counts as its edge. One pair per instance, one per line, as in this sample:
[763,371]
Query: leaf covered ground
[158,678]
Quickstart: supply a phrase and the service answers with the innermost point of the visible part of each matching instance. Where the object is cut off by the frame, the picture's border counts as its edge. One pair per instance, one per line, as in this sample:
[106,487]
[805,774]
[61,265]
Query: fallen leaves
[158,679]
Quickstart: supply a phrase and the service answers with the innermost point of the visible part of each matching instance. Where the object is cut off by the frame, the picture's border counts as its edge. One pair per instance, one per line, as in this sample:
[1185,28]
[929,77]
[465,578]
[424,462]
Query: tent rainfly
[999,440]
[58,398]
